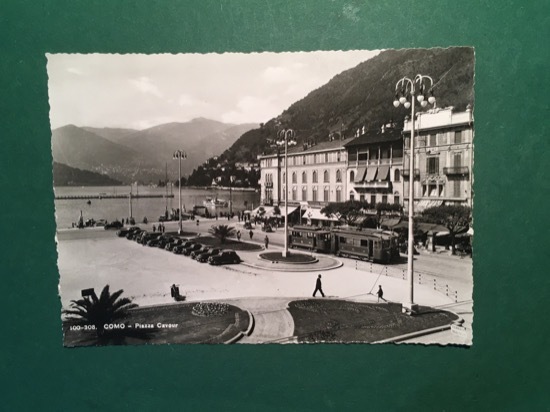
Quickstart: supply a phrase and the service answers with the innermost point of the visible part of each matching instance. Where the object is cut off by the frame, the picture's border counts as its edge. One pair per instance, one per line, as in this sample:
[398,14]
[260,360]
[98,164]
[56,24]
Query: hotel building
[443,158]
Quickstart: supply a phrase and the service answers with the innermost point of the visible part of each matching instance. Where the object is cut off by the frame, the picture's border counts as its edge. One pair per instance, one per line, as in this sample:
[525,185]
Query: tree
[348,211]
[222,232]
[454,218]
[106,309]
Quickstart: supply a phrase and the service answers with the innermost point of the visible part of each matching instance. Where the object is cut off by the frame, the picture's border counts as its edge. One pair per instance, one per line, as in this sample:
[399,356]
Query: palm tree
[99,312]
[222,232]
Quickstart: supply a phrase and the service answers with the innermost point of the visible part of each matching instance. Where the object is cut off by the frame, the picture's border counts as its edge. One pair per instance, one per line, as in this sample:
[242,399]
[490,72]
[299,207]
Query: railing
[406,172]
[374,185]
[421,278]
[456,170]
[268,184]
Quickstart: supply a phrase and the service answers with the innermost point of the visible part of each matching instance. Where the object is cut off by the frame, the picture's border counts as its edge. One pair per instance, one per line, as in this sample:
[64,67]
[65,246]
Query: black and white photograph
[264,198]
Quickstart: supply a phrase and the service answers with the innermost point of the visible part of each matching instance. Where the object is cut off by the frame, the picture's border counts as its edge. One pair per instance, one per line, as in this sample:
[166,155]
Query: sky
[138,91]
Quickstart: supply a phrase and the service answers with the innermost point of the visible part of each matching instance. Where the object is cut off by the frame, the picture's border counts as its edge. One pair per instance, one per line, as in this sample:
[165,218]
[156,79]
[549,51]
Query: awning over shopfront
[383,172]
[371,173]
[426,204]
[269,211]
[389,222]
[360,175]
[315,214]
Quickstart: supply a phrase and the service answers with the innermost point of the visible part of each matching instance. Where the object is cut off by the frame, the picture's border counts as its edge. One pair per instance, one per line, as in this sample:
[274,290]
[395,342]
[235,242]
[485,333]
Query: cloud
[251,109]
[144,85]
[186,100]
[277,75]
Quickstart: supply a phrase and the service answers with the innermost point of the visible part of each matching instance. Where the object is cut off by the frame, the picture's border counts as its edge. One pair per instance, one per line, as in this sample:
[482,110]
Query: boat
[215,202]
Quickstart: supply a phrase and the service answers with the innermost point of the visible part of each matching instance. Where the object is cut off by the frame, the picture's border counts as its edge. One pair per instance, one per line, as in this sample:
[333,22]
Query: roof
[320,146]
[376,136]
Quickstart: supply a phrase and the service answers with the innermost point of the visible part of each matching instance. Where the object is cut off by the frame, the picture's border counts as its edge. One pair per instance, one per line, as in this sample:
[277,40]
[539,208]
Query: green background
[507,367]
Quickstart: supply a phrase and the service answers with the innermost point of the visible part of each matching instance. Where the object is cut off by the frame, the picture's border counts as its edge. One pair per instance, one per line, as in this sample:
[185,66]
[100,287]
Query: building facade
[375,166]
[443,154]
[316,174]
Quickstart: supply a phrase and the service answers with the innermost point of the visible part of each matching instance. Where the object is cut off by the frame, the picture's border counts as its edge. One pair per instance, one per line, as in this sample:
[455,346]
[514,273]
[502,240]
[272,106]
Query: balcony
[456,170]
[407,174]
[268,185]
[373,185]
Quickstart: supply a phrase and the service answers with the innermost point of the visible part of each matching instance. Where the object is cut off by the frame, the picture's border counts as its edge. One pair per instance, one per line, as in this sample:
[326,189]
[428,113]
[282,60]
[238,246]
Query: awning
[383,172]
[269,211]
[371,173]
[360,176]
[389,222]
[425,204]
[315,214]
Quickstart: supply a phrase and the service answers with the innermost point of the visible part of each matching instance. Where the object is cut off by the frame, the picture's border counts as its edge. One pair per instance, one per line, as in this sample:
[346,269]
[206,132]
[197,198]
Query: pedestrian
[318,287]
[251,233]
[266,240]
[197,222]
[239,235]
[154,228]
[380,294]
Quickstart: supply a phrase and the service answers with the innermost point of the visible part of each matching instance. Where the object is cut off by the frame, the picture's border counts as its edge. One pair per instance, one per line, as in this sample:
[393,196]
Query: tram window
[364,242]
[342,240]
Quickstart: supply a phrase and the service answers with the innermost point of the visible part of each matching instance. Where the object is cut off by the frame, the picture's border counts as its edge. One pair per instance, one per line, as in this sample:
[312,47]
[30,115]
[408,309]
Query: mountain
[142,155]
[64,175]
[113,134]
[363,96]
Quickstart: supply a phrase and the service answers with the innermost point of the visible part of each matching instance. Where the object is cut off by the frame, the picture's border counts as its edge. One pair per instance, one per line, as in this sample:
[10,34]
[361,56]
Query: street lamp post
[180,154]
[286,137]
[231,180]
[405,90]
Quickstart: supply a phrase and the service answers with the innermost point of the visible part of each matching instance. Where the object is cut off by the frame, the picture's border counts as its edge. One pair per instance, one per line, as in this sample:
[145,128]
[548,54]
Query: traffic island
[294,258]
[208,322]
[339,321]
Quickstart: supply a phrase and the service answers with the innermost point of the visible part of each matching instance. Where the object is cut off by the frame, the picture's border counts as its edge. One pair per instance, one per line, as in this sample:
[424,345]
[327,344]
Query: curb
[295,269]
[241,334]
[401,338]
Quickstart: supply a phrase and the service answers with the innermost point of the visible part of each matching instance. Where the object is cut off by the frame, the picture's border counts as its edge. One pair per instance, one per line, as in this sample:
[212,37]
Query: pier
[112,196]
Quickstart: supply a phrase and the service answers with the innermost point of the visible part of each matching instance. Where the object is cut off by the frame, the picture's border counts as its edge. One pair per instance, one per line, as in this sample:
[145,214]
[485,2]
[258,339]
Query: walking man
[318,287]
[380,294]
[266,240]
[239,235]
[251,233]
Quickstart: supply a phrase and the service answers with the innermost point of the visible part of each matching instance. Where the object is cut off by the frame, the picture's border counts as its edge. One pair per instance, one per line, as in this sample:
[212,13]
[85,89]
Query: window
[432,140]
[384,199]
[338,194]
[294,177]
[432,165]
[326,157]
[304,160]
[315,193]
[314,176]
[397,152]
[372,199]
[351,196]
[338,176]
[352,157]
[284,177]
[396,200]
[396,175]
[456,188]
[325,194]
[338,156]
[352,176]
[458,137]
[293,193]
[363,157]
[304,193]
[284,193]
[304,177]
[326,177]
[361,198]
[432,190]
[457,160]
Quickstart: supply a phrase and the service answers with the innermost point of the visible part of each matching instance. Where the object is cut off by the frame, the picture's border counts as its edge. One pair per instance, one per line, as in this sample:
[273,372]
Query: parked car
[192,248]
[133,233]
[178,250]
[203,257]
[163,241]
[147,236]
[100,222]
[224,257]
[122,232]
[113,225]
[173,243]
[200,251]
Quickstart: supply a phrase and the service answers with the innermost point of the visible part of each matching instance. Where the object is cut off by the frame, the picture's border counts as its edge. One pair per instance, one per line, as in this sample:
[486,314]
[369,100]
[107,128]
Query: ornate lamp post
[180,154]
[231,181]
[286,137]
[405,92]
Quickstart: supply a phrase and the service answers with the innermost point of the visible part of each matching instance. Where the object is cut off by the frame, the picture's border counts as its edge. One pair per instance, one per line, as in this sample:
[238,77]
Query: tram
[311,238]
[365,244]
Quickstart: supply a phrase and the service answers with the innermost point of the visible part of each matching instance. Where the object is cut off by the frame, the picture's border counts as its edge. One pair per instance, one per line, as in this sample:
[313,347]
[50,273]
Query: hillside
[363,96]
[64,175]
[129,155]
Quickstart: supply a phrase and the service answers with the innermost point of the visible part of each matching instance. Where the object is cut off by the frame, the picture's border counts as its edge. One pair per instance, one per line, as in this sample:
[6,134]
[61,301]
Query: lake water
[68,211]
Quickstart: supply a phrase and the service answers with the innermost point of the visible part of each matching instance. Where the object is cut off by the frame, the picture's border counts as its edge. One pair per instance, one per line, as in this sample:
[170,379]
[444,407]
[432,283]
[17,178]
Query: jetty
[113,196]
